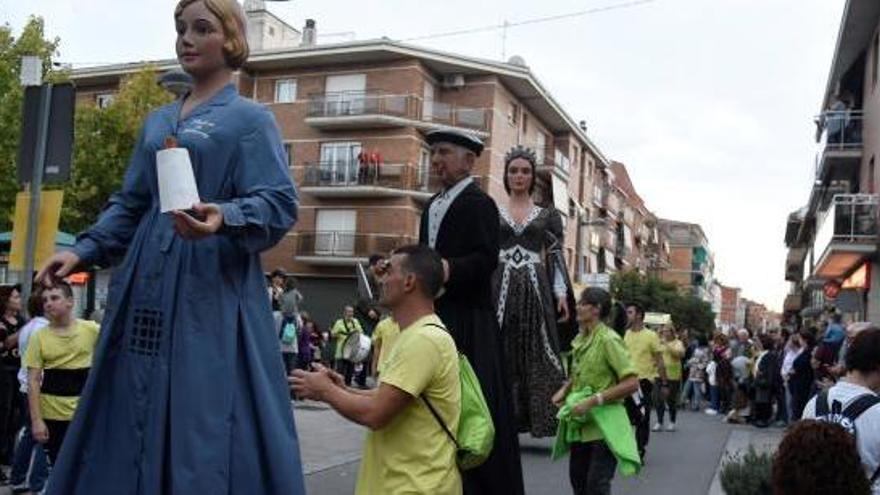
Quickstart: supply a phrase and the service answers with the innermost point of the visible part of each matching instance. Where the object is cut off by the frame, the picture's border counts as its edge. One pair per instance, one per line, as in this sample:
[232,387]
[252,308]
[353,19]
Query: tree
[656,295]
[32,41]
[103,144]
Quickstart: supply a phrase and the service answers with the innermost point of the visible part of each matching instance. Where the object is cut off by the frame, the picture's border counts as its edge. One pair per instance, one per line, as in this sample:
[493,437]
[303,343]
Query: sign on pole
[47,228]
[59,139]
[600,280]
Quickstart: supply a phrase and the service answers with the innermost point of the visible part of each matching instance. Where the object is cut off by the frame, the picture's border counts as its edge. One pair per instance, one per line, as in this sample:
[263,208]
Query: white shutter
[335,232]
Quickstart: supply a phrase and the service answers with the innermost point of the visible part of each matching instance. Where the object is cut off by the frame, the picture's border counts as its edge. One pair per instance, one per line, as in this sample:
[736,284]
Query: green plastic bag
[476,431]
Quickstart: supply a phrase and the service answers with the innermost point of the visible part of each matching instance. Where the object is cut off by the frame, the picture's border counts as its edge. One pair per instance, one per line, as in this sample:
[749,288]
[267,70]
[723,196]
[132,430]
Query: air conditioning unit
[451,81]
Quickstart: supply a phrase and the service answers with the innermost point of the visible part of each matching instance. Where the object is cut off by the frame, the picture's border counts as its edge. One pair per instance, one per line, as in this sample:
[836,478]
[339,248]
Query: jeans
[669,402]
[29,464]
[714,398]
[57,432]
[591,468]
[692,395]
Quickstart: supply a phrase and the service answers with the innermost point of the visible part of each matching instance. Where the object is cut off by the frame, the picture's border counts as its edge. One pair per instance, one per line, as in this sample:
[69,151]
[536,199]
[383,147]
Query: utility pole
[504,40]
[31,75]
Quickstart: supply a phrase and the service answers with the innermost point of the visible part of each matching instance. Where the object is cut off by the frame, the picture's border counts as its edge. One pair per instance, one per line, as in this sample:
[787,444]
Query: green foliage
[658,296]
[747,474]
[31,41]
[103,144]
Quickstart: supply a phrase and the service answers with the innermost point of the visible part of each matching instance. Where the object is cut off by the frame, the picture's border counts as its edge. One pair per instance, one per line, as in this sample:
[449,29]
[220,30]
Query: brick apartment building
[833,240]
[730,298]
[353,117]
[692,264]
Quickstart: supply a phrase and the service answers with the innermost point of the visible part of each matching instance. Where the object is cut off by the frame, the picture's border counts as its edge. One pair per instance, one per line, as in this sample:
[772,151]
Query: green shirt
[341,330]
[599,361]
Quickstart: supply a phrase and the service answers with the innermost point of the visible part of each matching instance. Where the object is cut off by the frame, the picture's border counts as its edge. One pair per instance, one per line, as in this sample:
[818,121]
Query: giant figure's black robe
[468,240]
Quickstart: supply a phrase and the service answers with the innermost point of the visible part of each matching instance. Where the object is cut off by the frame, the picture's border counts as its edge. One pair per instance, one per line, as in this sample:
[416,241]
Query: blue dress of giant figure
[187,393]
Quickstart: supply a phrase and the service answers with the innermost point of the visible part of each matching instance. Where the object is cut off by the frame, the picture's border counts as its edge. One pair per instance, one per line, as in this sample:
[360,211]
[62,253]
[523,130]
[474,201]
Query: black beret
[460,138]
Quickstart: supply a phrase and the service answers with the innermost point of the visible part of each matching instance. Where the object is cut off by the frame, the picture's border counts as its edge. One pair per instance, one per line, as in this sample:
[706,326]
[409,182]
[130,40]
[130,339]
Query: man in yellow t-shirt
[58,360]
[406,449]
[644,350]
[384,336]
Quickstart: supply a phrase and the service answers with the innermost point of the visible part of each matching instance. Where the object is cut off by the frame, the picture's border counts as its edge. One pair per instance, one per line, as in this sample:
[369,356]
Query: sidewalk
[739,440]
[326,439]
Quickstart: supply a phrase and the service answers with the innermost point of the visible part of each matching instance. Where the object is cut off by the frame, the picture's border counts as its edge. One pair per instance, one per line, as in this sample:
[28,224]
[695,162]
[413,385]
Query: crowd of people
[477,333]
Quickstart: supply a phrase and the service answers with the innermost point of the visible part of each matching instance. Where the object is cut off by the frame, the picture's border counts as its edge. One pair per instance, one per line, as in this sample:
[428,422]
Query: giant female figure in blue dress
[187,392]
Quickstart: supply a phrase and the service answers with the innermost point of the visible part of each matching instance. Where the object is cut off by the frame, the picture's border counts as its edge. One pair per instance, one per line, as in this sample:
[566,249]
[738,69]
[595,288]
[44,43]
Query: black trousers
[591,468]
[670,402]
[643,429]
[57,431]
[10,419]
[345,368]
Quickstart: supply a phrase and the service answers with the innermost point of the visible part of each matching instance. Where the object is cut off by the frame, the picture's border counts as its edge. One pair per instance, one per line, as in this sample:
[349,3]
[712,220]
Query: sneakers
[670,427]
[711,412]
[657,427]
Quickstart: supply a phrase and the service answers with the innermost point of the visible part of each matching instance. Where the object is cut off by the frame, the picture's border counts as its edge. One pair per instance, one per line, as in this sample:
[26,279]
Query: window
[339,163]
[288,150]
[285,90]
[104,100]
[345,94]
[513,114]
[271,31]
[872,179]
[525,119]
[424,169]
[562,161]
[540,147]
[335,232]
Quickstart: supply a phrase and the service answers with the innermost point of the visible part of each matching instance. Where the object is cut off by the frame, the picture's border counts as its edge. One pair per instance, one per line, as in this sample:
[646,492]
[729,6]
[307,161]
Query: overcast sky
[709,103]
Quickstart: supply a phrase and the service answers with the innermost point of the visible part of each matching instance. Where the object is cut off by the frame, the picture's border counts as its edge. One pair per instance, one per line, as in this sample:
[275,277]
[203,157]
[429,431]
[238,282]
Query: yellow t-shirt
[49,350]
[642,347]
[386,333]
[672,353]
[413,454]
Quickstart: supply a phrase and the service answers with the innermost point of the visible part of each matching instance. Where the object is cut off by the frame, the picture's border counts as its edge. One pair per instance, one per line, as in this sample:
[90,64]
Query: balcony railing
[340,244]
[351,174]
[405,106]
[846,233]
[840,139]
[851,218]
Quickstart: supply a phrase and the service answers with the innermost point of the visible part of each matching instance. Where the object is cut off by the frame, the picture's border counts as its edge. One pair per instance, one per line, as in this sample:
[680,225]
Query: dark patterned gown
[523,286]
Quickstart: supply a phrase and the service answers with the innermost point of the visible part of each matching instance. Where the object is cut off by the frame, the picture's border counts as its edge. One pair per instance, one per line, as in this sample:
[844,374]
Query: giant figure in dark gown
[461,223]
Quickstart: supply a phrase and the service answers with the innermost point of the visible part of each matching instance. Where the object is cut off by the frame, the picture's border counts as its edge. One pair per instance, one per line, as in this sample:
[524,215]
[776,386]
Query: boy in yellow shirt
[58,360]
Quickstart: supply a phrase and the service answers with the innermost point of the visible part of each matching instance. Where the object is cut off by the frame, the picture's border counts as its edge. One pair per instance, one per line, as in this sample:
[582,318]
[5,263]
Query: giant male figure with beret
[461,223]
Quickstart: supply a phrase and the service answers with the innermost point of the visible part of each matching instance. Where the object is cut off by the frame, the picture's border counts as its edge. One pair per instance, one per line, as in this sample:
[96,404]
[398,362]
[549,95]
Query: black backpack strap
[440,420]
[822,404]
[861,404]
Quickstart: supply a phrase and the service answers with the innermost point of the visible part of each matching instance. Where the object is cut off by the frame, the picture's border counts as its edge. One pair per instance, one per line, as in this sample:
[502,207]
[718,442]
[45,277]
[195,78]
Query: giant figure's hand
[59,266]
[207,220]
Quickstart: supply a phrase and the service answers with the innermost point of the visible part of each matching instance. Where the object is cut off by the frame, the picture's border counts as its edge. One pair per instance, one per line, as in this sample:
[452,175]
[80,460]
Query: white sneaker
[657,427]
[711,412]
[670,427]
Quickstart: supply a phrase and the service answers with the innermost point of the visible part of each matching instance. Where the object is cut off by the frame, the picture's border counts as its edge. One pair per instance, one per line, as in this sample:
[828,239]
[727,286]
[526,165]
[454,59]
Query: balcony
[377,110]
[840,145]
[347,179]
[335,248]
[794,264]
[846,235]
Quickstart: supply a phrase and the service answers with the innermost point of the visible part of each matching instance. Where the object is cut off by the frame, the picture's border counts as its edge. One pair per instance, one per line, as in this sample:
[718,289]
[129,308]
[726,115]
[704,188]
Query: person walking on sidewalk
[692,393]
[672,351]
[406,450]
[644,350]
